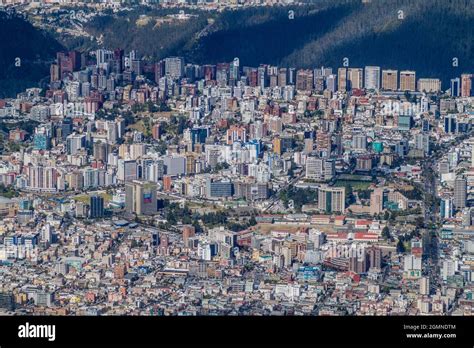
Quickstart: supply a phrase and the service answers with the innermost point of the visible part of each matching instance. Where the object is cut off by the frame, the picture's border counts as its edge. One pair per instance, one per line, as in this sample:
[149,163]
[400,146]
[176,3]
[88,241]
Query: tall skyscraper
[376,201]
[100,151]
[174,67]
[446,210]
[127,170]
[390,80]
[450,124]
[355,78]
[372,77]
[331,83]
[188,232]
[422,142]
[282,77]
[472,156]
[460,193]
[140,197]
[466,85]
[74,143]
[332,199]
[323,143]
[342,79]
[358,264]
[359,142]
[375,257]
[424,285]
[407,80]
[455,87]
[96,207]
[304,80]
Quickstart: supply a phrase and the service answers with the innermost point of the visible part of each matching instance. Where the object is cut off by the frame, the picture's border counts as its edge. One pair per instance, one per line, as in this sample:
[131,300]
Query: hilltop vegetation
[33,48]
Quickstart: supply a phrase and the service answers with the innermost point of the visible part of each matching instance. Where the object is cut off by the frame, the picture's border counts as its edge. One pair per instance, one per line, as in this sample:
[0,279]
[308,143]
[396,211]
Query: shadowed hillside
[33,48]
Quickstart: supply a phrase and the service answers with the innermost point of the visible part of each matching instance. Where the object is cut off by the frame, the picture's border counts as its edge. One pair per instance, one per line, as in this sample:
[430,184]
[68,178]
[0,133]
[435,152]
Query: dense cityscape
[132,187]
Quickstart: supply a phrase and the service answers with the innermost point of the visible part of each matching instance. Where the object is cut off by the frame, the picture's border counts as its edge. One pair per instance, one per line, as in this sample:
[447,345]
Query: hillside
[430,35]
[323,32]
[34,48]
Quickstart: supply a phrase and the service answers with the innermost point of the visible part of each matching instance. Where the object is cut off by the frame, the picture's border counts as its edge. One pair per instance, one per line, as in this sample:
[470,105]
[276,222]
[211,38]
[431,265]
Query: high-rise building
[342,79]
[407,80]
[219,189]
[446,208]
[358,264]
[96,209]
[42,141]
[127,170]
[450,123]
[404,122]
[308,146]
[156,131]
[372,77]
[159,71]
[277,145]
[460,192]
[100,151]
[359,142]
[429,85]
[236,133]
[74,143]
[422,142]
[174,165]
[323,143]
[174,67]
[466,85]
[42,178]
[167,182]
[188,232]
[376,201]
[320,169]
[355,78]
[424,285]
[472,156]
[455,87]
[332,199]
[448,269]
[412,263]
[136,66]
[103,56]
[291,76]
[282,77]
[66,127]
[304,80]
[331,84]
[275,124]
[390,80]
[375,257]
[54,72]
[140,197]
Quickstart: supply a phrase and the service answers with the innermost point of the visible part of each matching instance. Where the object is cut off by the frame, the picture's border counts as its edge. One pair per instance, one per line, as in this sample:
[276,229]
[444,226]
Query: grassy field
[356,185]
[139,126]
[86,198]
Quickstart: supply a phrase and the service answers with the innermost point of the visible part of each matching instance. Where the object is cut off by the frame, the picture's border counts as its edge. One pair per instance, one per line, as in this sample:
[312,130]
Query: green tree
[400,246]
